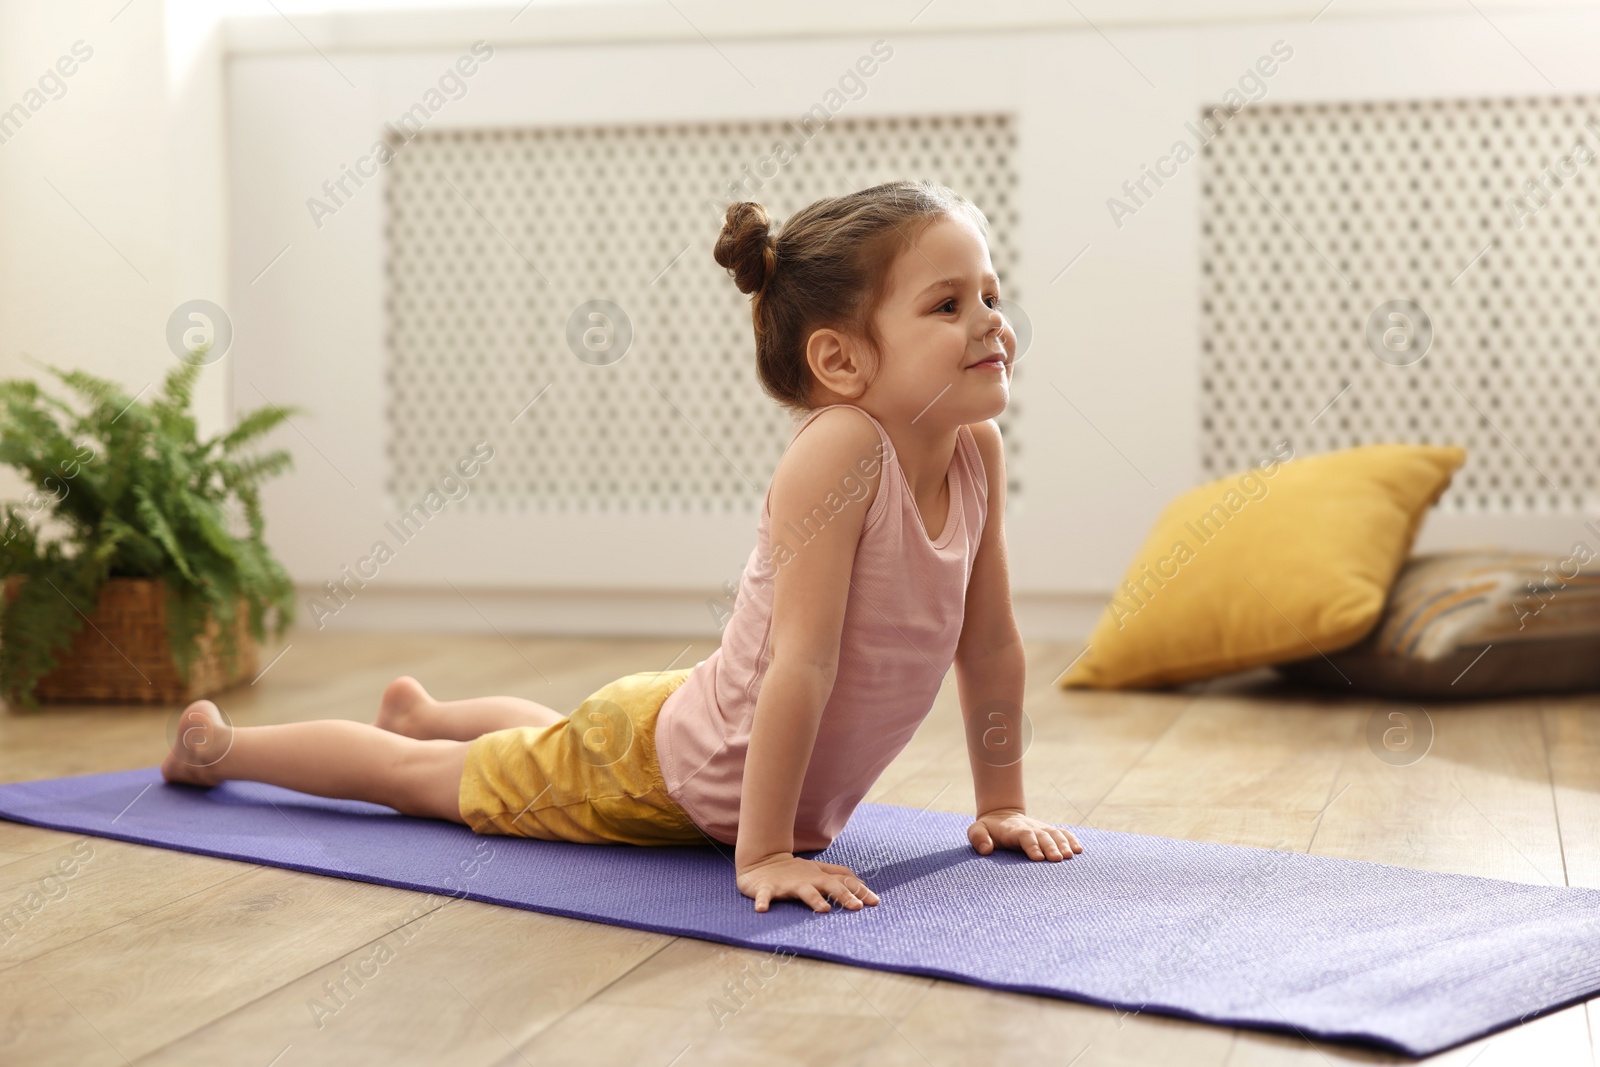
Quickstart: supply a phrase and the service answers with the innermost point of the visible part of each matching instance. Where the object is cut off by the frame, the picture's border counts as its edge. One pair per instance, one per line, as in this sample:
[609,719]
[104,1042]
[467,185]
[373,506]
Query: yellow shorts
[592,778]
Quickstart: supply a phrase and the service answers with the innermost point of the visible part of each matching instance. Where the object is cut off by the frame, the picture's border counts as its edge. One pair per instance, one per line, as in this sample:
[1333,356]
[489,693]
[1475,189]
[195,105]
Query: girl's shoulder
[843,427]
[838,450]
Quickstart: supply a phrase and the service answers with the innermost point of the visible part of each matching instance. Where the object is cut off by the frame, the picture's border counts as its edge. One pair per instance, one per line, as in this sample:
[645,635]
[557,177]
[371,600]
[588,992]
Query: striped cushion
[1477,623]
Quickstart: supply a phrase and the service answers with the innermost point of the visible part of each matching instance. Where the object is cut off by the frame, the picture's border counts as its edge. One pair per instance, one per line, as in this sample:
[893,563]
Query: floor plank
[166,972]
[87,885]
[459,984]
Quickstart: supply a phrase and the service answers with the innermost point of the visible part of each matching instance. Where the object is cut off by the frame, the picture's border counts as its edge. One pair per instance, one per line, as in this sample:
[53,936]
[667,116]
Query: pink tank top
[901,624]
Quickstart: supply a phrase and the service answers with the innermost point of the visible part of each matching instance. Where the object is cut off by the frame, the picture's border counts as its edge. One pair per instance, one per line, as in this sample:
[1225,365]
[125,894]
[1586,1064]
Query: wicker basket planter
[123,485]
[122,655]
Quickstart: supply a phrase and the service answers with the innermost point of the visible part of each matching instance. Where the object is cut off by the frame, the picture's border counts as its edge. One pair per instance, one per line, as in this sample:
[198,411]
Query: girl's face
[947,350]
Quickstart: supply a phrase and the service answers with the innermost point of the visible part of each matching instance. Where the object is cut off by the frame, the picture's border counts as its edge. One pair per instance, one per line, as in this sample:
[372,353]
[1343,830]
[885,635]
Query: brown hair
[827,267]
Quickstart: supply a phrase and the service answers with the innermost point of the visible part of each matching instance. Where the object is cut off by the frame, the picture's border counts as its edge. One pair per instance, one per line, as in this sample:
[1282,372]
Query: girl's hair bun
[746,246]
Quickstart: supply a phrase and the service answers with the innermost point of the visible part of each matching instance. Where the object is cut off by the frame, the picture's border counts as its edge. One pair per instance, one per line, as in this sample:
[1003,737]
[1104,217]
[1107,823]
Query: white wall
[112,196]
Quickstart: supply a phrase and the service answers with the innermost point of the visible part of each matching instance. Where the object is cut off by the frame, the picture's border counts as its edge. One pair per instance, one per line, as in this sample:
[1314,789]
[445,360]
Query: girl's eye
[949,305]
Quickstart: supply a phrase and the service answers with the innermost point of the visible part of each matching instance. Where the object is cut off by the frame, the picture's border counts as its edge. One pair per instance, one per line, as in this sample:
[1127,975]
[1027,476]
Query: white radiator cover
[495,237]
[1484,214]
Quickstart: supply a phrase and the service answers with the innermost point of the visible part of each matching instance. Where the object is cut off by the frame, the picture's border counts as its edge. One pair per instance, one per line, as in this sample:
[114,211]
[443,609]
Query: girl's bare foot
[203,739]
[401,700]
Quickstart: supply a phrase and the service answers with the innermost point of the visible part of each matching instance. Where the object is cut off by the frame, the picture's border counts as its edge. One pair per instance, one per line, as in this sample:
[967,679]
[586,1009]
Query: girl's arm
[990,677]
[810,590]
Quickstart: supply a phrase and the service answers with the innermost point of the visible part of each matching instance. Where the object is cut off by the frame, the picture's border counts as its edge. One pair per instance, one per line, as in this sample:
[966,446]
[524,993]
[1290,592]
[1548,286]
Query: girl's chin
[990,406]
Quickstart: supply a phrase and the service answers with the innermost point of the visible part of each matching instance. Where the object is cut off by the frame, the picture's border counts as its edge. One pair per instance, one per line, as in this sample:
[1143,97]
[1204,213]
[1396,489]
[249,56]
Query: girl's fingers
[809,894]
[841,892]
[1030,844]
[852,883]
[1051,847]
[847,890]
[978,834]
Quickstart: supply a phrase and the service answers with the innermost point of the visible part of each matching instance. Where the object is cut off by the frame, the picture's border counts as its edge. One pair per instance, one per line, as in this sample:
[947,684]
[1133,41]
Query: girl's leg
[328,757]
[408,709]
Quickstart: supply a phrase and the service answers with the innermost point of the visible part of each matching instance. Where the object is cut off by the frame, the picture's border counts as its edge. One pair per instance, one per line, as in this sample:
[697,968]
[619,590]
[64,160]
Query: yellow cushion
[1287,559]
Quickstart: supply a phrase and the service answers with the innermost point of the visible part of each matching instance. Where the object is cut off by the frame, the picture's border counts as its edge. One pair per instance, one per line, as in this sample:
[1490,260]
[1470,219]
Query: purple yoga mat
[1332,949]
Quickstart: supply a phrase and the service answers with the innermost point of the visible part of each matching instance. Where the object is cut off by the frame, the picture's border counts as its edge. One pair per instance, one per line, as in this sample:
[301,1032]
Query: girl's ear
[837,362]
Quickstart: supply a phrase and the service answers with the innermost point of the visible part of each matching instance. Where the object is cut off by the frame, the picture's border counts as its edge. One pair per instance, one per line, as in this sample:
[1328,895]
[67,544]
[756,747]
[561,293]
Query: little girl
[880,560]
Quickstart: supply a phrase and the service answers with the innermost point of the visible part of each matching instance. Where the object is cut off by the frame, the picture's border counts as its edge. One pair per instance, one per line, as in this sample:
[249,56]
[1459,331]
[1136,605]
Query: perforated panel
[1356,205]
[495,237]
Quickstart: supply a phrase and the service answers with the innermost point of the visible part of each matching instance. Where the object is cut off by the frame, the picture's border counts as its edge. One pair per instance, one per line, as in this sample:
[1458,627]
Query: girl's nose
[991,322]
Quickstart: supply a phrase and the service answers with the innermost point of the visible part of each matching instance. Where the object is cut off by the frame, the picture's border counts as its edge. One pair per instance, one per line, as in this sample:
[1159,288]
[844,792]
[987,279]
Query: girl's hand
[1009,828]
[784,875]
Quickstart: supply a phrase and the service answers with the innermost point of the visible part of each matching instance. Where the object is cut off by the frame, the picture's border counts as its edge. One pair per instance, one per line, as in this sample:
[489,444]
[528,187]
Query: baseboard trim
[687,613]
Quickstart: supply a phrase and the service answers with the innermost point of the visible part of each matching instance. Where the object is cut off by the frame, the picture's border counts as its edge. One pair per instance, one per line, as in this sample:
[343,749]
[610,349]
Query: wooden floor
[160,957]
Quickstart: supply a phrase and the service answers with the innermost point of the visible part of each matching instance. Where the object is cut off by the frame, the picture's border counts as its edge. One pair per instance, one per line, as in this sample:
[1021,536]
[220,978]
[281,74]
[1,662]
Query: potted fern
[135,569]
